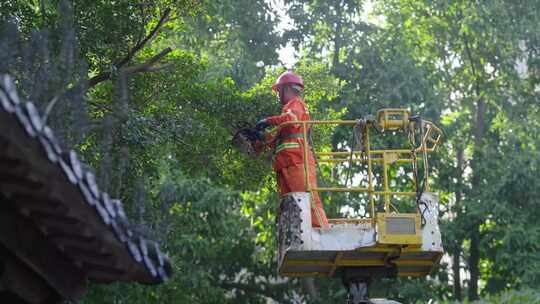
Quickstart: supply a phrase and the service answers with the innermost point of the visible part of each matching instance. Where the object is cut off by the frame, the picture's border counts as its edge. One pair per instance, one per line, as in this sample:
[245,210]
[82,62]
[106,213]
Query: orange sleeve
[296,111]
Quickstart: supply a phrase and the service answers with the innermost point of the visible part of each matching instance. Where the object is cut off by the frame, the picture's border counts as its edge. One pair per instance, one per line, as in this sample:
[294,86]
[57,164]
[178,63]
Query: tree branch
[162,20]
[473,68]
[160,68]
[147,66]
[119,64]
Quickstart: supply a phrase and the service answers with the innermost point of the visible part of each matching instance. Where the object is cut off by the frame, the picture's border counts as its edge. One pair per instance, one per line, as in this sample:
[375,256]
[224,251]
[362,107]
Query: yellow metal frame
[393,119]
[388,120]
[402,249]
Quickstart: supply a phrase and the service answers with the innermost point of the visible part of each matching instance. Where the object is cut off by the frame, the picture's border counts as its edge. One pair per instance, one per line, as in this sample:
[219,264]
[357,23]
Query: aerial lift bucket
[388,243]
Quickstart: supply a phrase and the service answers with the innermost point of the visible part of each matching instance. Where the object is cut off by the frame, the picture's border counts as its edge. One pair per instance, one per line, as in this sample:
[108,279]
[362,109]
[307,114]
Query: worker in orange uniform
[288,160]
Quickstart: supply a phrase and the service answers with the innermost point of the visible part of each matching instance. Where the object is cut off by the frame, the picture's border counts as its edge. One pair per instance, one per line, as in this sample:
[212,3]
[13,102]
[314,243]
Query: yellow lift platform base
[395,244]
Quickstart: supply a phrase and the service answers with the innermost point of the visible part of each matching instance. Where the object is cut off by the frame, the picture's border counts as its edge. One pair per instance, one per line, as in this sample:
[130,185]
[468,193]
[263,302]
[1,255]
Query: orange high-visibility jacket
[288,157]
[289,145]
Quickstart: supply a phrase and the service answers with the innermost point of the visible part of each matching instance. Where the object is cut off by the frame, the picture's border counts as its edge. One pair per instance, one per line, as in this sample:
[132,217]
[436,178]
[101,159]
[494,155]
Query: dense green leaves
[158,132]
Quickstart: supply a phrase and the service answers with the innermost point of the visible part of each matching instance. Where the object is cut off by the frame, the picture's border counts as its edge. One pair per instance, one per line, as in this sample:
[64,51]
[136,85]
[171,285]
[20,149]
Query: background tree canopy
[149,92]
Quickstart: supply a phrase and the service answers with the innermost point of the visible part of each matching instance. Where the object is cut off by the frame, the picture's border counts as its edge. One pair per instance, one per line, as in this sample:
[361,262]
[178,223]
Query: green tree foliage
[238,37]
[149,92]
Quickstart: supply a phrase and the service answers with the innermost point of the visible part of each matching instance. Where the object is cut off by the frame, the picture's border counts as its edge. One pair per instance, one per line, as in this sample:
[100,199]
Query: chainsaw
[245,137]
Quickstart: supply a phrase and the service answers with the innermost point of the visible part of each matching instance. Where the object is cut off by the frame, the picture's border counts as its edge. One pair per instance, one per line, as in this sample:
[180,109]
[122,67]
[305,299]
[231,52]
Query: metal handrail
[430,141]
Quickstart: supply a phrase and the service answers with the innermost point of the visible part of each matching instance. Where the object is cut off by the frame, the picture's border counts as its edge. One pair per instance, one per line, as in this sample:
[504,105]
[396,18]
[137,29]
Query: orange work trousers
[291,179]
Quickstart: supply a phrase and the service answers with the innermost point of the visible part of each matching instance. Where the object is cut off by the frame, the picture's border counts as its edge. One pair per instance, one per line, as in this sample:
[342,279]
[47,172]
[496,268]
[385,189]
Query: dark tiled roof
[59,211]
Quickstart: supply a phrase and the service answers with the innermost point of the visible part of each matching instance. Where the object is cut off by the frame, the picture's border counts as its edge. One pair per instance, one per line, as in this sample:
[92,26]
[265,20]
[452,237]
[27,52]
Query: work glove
[261,125]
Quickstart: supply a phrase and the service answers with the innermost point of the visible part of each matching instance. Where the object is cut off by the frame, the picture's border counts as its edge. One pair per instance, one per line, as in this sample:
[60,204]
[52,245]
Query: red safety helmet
[285,78]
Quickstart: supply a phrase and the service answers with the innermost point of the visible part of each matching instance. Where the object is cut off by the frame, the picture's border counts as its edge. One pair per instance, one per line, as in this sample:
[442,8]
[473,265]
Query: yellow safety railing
[388,120]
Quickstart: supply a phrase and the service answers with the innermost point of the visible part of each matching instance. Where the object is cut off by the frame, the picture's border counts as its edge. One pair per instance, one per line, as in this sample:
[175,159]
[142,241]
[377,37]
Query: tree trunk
[337,38]
[457,276]
[478,132]
[456,257]
[474,256]
[474,259]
